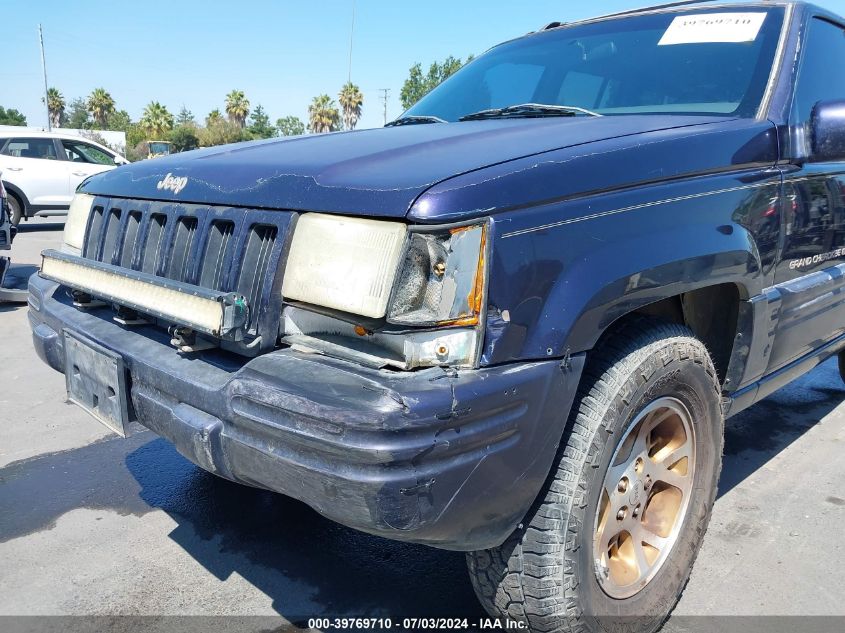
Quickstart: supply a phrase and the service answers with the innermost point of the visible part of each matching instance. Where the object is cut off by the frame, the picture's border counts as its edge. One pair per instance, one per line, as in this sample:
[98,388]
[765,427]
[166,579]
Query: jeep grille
[219,248]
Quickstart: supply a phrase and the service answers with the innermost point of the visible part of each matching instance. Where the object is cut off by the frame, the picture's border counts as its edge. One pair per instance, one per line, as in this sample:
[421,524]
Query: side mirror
[827,131]
[119,160]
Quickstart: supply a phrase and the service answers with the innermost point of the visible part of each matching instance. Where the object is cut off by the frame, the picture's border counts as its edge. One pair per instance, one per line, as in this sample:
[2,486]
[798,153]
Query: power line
[384,97]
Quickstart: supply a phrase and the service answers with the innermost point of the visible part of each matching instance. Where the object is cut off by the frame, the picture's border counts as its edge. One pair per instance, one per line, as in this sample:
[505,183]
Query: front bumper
[452,459]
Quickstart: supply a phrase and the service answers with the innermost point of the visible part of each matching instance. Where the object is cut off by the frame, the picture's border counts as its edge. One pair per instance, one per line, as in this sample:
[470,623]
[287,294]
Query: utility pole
[351,36]
[384,97]
[44,70]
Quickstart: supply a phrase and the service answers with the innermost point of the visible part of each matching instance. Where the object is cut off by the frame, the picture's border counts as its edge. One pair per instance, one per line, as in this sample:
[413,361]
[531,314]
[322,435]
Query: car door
[810,286]
[86,160]
[33,166]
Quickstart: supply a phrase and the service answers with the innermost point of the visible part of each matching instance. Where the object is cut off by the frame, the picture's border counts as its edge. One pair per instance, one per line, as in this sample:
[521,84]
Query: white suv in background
[41,170]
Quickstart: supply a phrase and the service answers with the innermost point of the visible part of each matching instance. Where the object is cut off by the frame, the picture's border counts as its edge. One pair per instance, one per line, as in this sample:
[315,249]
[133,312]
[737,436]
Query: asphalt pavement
[92,524]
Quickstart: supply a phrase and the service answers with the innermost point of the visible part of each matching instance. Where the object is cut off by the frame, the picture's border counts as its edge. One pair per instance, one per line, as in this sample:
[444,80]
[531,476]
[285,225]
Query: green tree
[11,117]
[237,107]
[156,120]
[260,126]
[139,151]
[185,117]
[134,136]
[213,117]
[120,121]
[55,106]
[78,117]
[417,85]
[221,132]
[184,138]
[323,115]
[290,126]
[351,100]
[101,107]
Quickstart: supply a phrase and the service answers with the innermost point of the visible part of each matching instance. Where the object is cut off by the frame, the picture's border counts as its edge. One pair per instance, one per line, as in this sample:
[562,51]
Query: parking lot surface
[91,524]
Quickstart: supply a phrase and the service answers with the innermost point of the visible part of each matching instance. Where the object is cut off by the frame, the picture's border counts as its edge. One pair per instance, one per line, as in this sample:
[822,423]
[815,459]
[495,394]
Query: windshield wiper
[528,110]
[413,120]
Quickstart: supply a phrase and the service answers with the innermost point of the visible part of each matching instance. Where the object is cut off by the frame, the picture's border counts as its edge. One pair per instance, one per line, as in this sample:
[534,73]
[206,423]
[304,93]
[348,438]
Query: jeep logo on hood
[173,183]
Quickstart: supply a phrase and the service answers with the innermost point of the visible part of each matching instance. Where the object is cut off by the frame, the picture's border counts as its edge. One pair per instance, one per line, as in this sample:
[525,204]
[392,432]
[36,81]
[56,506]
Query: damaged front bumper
[452,459]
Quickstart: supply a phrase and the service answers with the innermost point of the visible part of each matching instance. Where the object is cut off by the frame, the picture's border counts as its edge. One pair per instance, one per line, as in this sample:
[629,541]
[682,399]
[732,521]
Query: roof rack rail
[667,5]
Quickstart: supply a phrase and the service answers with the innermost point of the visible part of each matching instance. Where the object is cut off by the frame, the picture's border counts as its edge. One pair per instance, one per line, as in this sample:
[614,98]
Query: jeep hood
[378,172]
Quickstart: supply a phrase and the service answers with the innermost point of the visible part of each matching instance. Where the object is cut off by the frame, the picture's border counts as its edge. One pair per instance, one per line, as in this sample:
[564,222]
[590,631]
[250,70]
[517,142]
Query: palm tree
[101,106]
[55,106]
[213,117]
[351,100]
[237,107]
[156,120]
[323,115]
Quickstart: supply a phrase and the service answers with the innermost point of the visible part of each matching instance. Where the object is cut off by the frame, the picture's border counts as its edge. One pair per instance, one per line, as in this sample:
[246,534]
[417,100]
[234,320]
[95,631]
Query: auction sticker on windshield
[713,27]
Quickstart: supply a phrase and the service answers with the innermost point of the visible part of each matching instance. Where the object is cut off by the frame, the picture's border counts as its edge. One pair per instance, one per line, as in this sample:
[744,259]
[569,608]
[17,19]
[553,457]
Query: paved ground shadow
[757,434]
[267,538]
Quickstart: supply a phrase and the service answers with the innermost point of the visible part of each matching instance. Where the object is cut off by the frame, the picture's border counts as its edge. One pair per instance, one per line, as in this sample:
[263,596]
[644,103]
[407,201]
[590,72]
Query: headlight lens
[347,264]
[77,220]
[442,279]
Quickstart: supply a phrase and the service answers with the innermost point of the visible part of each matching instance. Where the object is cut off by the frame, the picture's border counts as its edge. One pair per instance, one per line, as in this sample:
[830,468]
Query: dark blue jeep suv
[513,321]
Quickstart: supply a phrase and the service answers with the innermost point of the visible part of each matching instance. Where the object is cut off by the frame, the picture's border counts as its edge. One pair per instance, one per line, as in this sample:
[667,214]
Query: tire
[546,575]
[15,209]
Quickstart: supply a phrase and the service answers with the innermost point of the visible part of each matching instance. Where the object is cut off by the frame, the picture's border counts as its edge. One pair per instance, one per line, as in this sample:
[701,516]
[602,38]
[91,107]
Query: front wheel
[15,210]
[610,542]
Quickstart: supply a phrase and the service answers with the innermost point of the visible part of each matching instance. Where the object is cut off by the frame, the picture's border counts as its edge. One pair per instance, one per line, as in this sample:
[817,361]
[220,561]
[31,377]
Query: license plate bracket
[96,381]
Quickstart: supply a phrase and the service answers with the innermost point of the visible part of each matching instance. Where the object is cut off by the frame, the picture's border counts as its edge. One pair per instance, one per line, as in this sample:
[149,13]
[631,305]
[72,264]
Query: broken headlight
[420,289]
[441,281]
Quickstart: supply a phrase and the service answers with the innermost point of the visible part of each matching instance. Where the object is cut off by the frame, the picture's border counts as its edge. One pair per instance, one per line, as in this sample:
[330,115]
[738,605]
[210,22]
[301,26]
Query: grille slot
[215,257]
[112,221]
[177,267]
[130,236]
[94,230]
[152,245]
[256,255]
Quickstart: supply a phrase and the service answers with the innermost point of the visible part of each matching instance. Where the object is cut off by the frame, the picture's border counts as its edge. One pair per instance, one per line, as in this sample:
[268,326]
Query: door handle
[79,173]
[15,168]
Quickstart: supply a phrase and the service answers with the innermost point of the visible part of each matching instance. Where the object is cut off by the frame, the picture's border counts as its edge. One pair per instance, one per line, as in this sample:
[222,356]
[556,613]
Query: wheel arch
[718,314]
[712,300]
[14,190]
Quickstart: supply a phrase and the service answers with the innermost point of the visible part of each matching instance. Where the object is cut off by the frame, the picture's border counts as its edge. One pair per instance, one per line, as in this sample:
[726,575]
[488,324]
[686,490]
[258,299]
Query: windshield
[699,62]
[159,147]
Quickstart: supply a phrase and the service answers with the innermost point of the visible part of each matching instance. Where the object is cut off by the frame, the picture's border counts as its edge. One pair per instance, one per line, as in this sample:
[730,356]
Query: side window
[822,74]
[80,152]
[31,148]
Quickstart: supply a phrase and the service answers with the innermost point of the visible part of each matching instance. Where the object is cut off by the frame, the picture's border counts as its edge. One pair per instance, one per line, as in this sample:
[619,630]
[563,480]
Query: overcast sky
[281,54]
